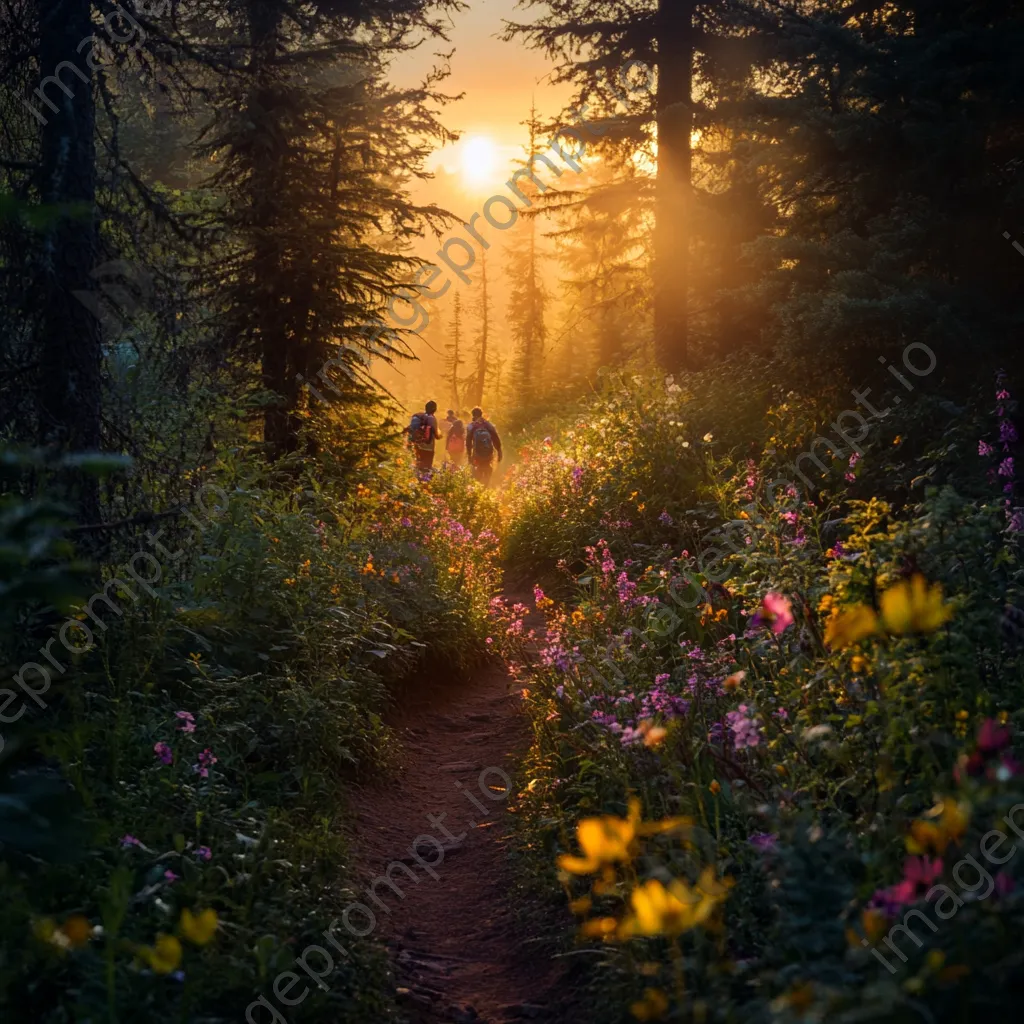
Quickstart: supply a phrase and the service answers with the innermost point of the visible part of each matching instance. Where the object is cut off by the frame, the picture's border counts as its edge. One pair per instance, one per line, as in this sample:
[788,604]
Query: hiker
[423,433]
[455,439]
[482,442]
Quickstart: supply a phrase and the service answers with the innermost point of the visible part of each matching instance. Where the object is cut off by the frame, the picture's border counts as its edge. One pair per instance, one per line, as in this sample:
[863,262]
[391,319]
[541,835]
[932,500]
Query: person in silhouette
[423,435]
[482,444]
[455,439]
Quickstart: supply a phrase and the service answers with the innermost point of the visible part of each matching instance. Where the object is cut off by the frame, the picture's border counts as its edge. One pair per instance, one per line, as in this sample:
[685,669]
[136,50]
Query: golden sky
[499,80]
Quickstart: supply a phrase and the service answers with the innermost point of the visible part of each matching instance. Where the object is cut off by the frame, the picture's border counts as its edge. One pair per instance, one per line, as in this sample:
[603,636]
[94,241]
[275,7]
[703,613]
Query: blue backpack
[483,444]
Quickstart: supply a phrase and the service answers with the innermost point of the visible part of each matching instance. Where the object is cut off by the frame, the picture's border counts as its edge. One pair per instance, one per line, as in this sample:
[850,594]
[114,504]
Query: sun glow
[479,159]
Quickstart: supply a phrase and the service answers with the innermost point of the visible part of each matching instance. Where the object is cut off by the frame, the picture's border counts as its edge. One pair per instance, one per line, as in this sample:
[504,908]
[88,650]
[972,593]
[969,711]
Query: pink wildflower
[206,762]
[775,611]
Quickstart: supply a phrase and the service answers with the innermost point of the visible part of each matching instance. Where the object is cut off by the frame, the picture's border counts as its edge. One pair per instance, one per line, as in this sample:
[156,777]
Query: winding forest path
[458,945]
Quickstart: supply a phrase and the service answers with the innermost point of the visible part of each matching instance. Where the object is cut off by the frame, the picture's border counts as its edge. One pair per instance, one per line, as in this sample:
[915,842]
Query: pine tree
[68,333]
[528,298]
[478,381]
[895,147]
[602,239]
[599,45]
[453,350]
[314,207]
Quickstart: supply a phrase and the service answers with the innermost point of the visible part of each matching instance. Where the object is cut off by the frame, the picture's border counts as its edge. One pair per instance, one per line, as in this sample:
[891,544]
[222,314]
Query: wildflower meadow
[773,759]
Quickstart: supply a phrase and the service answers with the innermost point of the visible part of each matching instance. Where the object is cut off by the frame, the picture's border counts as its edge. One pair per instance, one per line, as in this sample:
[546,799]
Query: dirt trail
[458,948]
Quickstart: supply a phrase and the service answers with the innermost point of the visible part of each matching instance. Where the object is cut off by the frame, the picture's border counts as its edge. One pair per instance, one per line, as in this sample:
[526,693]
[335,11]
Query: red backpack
[419,429]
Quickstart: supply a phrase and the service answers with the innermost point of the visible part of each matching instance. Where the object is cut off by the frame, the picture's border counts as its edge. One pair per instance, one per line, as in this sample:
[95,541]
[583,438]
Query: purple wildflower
[746,731]
[206,762]
[764,841]
[163,752]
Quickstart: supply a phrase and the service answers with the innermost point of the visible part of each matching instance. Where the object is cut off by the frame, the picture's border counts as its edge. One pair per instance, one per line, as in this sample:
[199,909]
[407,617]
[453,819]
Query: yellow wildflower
[289,581]
[74,933]
[672,910]
[858,663]
[164,956]
[199,928]
[599,927]
[581,906]
[604,840]
[609,840]
[652,1006]
[826,603]
[715,787]
[950,826]
[848,626]
[913,606]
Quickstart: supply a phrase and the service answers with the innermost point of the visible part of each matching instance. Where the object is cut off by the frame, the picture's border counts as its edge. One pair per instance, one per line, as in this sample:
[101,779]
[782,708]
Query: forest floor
[461,950]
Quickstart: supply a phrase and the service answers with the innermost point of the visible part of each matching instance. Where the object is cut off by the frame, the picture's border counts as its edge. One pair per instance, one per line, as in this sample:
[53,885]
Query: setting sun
[479,159]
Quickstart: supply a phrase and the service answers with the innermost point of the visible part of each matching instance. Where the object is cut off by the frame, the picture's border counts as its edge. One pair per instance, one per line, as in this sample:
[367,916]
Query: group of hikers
[477,443]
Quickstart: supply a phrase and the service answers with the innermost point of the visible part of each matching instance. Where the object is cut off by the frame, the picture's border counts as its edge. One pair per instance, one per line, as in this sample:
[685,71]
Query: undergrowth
[773,765]
[193,759]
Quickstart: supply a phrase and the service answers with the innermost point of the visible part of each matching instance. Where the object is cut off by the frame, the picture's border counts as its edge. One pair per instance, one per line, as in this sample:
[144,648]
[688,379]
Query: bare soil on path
[457,942]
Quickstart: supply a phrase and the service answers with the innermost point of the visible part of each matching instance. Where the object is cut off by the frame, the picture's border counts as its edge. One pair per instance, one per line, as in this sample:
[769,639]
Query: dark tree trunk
[279,421]
[479,382]
[70,351]
[673,212]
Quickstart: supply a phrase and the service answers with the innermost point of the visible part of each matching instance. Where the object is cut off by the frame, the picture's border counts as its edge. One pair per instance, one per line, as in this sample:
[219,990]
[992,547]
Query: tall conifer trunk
[479,381]
[278,427]
[673,209]
[69,343]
